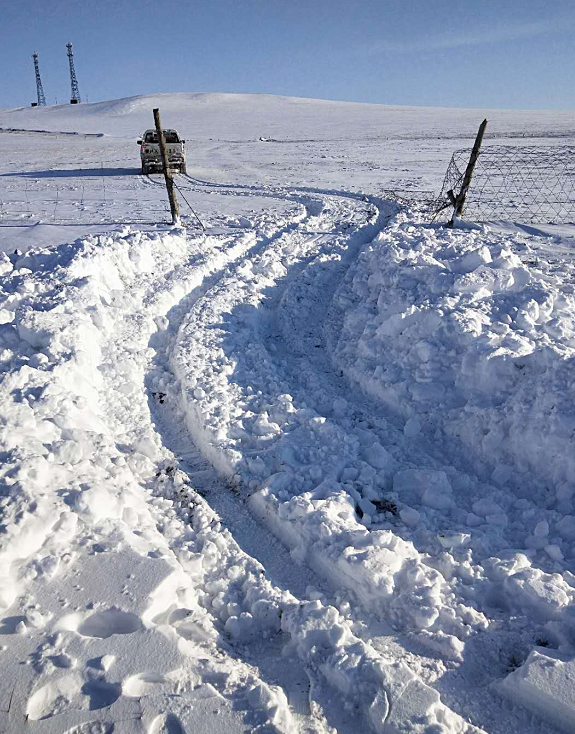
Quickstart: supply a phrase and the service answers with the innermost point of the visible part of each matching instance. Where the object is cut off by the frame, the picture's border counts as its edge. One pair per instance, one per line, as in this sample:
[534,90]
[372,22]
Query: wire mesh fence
[527,184]
[524,184]
[411,198]
[68,196]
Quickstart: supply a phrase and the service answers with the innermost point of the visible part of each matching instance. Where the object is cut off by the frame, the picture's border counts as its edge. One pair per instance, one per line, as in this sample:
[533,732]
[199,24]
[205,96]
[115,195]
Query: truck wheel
[183,168]
[144,169]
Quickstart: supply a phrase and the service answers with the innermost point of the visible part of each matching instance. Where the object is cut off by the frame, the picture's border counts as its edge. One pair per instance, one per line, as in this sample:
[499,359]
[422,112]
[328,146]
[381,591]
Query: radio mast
[75,95]
[39,89]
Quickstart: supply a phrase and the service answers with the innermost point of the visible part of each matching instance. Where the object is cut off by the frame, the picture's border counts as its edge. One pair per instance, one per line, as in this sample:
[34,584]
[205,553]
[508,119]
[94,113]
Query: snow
[545,685]
[310,470]
[232,116]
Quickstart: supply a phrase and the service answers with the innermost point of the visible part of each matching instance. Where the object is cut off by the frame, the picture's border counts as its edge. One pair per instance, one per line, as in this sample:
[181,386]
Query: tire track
[286,583]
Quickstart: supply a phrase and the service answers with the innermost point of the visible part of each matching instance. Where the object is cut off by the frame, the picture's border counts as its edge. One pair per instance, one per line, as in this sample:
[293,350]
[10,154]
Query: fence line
[89,201]
[526,184]
[529,184]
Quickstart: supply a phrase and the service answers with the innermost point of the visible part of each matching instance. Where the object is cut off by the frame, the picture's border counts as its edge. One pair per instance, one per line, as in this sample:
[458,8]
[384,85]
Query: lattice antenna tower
[39,89]
[75,95]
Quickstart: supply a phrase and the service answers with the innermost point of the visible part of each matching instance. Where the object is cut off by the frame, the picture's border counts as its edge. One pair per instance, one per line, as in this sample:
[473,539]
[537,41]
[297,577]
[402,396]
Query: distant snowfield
[311,471]
[245,116]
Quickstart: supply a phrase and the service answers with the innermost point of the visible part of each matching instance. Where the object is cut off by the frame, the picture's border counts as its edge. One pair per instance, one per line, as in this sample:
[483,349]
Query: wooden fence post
[459,200]
[167,173]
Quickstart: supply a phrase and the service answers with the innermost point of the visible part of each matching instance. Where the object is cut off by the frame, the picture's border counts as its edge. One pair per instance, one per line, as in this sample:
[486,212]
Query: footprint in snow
[169,724]
[71,692]
[110,622]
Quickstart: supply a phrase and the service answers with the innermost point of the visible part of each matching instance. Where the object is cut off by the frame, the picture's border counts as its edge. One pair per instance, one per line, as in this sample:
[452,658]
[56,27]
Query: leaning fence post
[167,173]
[459,200]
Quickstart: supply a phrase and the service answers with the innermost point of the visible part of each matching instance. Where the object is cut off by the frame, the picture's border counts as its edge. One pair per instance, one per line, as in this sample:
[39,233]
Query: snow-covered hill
[310,470]
[249,116]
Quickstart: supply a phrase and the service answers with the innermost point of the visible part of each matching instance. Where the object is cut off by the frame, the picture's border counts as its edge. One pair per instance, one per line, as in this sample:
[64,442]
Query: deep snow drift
[309,472]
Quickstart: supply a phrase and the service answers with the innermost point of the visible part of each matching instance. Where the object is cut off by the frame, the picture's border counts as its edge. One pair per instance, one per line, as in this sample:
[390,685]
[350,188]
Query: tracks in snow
[299,350]
[183,473]
[248,584]
[290,322]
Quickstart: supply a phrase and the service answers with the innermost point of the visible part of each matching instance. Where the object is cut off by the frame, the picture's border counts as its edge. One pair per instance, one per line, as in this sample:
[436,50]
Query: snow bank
[546,686]
[470,334]
[466,337]
[57,306]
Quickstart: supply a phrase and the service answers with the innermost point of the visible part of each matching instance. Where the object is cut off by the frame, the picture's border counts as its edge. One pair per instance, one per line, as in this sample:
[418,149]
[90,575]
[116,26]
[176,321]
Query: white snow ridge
[311,471]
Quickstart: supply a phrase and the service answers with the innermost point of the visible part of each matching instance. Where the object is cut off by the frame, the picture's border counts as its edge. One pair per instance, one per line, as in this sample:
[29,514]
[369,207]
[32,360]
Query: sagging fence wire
[65,197]
[88,199]
[525,184]
[411,198]
[191,208]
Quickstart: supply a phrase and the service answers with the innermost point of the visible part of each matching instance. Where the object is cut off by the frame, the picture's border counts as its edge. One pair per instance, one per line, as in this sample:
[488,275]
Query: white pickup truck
[150,151]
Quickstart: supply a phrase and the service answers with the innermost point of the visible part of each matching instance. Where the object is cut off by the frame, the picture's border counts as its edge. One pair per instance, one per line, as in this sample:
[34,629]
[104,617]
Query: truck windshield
[169,135]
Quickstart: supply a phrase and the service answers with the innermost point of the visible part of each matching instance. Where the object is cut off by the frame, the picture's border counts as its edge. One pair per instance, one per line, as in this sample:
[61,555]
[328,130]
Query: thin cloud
[475,38]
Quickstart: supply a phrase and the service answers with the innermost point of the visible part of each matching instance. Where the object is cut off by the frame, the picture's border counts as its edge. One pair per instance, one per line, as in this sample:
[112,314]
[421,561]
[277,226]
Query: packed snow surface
[309,468]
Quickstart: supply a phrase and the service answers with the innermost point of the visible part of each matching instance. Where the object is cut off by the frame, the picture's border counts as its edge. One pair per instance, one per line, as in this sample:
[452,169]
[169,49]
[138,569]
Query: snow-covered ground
[309,471]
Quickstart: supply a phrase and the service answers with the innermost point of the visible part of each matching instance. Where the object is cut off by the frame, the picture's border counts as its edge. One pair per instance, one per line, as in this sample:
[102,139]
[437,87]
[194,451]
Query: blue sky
[456,53]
